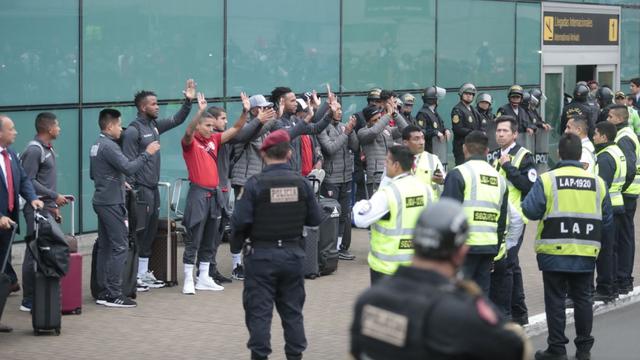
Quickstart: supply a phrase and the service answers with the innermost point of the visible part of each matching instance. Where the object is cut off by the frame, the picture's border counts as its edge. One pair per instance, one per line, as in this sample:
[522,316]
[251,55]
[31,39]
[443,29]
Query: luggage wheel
[57,332]
[77,311]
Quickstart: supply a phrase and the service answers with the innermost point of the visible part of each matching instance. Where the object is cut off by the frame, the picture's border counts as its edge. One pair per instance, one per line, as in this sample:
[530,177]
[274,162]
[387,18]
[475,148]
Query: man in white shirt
[578,125]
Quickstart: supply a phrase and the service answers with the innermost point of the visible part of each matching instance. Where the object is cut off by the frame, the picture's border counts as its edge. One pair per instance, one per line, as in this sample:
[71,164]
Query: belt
[276,244]
[209,192]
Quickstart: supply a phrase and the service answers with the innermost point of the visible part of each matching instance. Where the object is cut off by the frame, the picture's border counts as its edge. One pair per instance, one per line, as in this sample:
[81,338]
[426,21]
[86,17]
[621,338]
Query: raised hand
[334,106]
[331,97]
[350,124]
[280,107]
[246,105]
[315,100]
[309,112]
[202,102]
[265,115]
[189,91]
[390,106]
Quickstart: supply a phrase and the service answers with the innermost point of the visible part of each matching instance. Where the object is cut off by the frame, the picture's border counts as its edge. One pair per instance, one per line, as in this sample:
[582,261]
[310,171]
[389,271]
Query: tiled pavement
[169,325]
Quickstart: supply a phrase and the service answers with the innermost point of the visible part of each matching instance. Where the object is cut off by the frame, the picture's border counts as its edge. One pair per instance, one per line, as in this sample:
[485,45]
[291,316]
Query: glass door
[606,75]
[553,88]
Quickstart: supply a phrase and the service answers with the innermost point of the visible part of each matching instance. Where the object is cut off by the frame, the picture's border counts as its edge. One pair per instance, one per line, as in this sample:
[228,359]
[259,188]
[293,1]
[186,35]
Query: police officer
[273,253]
[574,209]
[430,121]
[426,166]
[408,101]
[604,96]
[145,129]
[108,168]
[612,168]
[579,106]
[483,194]
[577,125]
[514,108]
[483,105]
[423,312]
[628,143]
[464,119]
[392,213]
[517,165]
[534,104]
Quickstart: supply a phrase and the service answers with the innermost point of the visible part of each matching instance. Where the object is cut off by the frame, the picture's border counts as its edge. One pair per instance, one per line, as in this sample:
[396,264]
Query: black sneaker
[583,355]
[120,301]
[546,355]
[344,254]
[219,278]
[238,273]
[100,300]
[604,298]
[521,320]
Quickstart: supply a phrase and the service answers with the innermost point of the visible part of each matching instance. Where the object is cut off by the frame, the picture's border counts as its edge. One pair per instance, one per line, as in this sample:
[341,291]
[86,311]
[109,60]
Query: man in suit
[14,181]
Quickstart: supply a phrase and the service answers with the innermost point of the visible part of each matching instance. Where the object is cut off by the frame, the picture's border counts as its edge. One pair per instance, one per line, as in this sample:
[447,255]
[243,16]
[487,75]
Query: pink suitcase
[71,283]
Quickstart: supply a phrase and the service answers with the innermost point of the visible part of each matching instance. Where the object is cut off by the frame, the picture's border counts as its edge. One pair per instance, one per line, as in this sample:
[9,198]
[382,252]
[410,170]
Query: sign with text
[573,28]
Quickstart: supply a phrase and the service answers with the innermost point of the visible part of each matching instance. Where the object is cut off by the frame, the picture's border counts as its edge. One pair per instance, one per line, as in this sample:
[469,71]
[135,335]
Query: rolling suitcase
[5,281]
[71,283]
[164,255]
[310,237]
[328,237]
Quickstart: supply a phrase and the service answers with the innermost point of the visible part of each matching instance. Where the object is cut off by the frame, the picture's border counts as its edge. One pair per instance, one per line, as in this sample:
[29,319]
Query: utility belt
[271,244]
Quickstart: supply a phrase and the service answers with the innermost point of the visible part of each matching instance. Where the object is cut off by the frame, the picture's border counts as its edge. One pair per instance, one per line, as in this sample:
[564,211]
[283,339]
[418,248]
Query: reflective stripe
[483,228]
[557,213]
[568,242]
[482,203]
[560,214]
[392,232]
[392,258]
[473,193]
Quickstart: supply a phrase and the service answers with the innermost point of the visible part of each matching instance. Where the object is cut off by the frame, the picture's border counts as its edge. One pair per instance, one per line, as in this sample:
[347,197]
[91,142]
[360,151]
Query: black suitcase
[129,272]
[5,281]
[46,311]
[310,238]
[164,252]
[328,237]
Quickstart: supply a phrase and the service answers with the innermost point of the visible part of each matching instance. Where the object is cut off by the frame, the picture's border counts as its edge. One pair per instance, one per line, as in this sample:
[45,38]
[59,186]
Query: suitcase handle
[14,228]
[72,201]
[175,197]
[168,186]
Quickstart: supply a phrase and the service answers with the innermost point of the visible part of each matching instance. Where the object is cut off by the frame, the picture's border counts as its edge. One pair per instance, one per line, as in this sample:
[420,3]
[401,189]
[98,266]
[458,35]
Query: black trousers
[502,286]
[274,276]
[607,260]
[626,244]
[376,276]
[146,236]
[113,246]
[477,267]
[556,287]
[342,193]
[518,305]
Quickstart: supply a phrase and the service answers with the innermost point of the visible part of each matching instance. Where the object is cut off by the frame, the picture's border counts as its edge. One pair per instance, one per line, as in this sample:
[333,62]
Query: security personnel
[483,194]
[574,209]
[579,106]
[513,108]
[408,101]
[577,125]
[612,168]
[464,119]
[517,165]
[628,143]
[426,166]
[604,96]
[430,121]
[108,168]
[634,117]
[483,105]
[423,312]
[273,253]
[392,213]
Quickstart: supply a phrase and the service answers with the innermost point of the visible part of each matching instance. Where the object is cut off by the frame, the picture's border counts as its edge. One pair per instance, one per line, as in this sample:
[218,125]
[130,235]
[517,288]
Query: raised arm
[176,120]
[233,131]
[187,139]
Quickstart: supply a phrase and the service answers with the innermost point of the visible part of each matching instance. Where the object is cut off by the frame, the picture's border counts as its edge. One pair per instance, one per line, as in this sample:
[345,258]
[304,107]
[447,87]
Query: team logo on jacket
[470,119]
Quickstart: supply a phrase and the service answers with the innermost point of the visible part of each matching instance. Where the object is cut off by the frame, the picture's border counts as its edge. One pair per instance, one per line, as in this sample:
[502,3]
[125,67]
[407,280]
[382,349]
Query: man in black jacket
[464,119]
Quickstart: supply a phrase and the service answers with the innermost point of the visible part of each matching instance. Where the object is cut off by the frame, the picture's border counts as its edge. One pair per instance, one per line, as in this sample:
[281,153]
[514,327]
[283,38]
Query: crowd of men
[391,163]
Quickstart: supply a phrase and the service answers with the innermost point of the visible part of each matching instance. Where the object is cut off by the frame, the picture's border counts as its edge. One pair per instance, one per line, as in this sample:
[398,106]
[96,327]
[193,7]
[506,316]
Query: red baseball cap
[275,138]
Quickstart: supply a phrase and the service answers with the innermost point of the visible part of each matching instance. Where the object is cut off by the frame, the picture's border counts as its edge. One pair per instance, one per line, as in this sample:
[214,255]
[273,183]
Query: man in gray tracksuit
[376,138]
[338,143]
[108,167]
[39,163]
[145,129]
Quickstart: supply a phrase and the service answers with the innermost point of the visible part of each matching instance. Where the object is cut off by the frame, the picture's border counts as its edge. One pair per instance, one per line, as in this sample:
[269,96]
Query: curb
[538,323]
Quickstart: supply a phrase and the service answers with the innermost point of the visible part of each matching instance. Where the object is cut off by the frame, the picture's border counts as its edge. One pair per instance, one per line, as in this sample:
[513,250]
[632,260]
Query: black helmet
[430,95]
[526,99]
[441,229]
[484,97]
[515,90]
[604,95]
[467,88]
[374,94]
[581,91]
[537,93]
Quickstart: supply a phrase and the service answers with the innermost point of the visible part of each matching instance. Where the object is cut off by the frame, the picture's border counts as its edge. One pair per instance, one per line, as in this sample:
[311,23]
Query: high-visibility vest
[573,218]
[634,187]
[619,176]
[483,193]
[391,238]
[426,165]
[515,195]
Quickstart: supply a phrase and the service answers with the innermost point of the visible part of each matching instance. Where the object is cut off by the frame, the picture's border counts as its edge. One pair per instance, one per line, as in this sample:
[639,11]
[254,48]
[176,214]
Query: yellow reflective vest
[619,176]
[391,236]
[425,165]
[515,195]
[634,187]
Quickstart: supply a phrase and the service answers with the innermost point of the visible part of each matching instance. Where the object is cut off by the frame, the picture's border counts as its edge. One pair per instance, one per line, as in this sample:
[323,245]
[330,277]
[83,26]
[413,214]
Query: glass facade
[75,57]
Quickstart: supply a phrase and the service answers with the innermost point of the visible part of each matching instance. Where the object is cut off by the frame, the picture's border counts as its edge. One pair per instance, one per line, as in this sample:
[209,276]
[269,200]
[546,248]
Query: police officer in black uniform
[483,105]
[422,312]
[604,95]
[270,214]
[579,106]
[513,108]
[464,119]
[429,120]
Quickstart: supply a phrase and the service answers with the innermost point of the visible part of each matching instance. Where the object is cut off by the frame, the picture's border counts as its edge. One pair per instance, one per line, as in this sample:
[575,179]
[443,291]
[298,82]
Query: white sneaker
[141,287]
[150,280]
[188,288]
[207,283]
